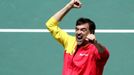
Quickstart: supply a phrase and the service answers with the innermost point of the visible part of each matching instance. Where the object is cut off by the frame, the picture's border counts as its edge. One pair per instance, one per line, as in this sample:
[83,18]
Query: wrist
[69,5]
[95,41]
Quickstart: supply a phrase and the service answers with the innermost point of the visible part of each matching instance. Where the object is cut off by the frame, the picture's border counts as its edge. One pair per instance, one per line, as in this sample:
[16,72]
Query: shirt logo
[83,54]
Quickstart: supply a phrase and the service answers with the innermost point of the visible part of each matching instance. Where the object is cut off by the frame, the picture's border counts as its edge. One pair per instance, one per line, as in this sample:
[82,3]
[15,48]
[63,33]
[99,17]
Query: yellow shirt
[68,41]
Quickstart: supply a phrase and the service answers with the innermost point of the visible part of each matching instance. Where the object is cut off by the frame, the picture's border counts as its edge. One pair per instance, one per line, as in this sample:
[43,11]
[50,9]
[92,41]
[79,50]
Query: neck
[84,43]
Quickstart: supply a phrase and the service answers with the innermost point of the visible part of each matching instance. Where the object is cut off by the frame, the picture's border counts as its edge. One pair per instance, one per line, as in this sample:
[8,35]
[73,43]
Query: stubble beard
[79,41]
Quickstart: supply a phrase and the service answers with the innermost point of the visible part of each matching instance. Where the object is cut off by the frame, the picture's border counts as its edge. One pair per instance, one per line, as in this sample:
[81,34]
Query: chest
[83,57]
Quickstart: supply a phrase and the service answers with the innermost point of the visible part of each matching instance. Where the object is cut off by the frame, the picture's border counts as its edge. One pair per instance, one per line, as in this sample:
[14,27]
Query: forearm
[54,20]
[60,14]
[99,47]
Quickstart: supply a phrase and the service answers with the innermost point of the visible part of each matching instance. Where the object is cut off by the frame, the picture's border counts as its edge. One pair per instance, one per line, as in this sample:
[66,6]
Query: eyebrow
[81,28]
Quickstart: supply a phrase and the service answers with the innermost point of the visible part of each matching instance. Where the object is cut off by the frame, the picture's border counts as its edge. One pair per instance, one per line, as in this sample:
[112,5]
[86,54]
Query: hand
[91,37]
[75,3]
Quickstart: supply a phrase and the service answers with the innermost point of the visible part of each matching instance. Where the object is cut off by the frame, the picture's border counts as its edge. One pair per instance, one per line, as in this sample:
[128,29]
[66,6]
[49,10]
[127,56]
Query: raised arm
[72,4]
[52,24]
[91,38]
[102,52]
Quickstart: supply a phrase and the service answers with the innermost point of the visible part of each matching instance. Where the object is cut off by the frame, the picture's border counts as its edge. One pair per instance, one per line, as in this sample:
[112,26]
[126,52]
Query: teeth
[79,37]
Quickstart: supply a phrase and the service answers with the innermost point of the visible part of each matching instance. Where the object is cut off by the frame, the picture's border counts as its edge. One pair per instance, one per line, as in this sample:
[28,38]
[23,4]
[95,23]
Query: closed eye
[83,29]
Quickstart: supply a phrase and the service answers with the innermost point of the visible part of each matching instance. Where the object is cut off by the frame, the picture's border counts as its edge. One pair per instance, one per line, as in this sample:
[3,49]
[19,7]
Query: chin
[79,43]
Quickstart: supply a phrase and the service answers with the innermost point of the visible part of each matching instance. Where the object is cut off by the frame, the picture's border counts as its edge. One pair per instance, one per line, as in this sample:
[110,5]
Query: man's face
[81,33]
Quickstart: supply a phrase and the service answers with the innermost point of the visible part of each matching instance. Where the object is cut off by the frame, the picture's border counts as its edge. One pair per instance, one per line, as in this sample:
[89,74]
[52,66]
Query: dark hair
[91,24]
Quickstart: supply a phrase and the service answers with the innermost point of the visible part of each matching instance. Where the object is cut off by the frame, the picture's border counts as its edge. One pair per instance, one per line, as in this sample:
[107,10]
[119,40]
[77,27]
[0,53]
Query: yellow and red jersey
[85,61]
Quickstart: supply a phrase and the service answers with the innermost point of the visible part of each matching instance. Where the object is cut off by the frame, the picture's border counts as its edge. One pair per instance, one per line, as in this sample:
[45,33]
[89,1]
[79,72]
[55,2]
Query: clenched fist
[91,37]
[75,3]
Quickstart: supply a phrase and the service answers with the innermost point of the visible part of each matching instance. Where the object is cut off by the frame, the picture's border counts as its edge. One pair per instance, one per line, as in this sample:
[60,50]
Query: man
[83,55]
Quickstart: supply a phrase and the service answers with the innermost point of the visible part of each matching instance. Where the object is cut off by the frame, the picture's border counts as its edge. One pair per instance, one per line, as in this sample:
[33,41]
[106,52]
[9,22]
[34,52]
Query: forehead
[86,25]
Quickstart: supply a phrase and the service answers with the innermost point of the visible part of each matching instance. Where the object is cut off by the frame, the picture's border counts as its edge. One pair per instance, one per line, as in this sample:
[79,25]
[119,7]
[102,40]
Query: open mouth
[79,38]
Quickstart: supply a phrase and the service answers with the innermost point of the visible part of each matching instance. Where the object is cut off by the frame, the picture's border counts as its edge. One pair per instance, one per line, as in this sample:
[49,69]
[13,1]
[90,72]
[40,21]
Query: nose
[79,32]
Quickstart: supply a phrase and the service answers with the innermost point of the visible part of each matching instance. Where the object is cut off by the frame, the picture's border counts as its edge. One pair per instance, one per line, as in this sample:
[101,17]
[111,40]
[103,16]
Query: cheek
[86,34]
